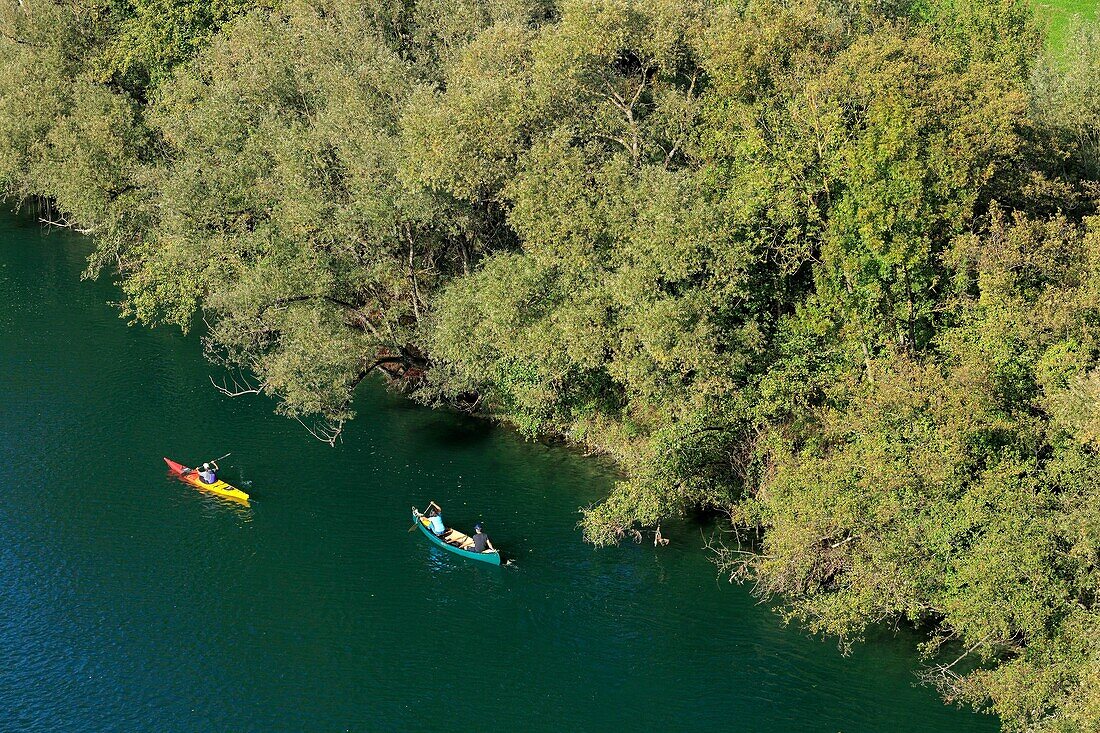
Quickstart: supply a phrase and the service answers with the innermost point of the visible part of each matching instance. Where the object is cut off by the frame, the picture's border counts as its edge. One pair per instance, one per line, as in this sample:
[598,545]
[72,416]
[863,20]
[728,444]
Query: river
[129,601]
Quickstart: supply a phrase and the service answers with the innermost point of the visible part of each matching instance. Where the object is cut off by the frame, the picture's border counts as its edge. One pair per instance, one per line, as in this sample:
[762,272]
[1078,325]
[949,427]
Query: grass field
[1059,14]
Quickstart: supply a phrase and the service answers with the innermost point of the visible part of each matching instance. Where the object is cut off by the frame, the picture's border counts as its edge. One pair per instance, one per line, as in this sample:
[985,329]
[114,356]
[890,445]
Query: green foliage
[993,31]
[153,36]
[829,268]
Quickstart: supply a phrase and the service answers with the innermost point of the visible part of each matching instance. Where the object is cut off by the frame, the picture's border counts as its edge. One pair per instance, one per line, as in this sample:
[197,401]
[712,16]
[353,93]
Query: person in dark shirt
[481,540]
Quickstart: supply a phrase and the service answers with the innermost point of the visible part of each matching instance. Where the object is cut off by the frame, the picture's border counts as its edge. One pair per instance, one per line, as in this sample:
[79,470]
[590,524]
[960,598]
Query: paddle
[190,471]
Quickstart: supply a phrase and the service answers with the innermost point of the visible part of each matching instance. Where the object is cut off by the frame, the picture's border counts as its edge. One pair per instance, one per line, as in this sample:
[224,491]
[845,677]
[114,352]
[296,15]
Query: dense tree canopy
[828,268]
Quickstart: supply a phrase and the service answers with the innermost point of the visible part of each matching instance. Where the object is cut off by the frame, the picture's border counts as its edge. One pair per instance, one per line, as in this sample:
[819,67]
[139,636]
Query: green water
[129,601]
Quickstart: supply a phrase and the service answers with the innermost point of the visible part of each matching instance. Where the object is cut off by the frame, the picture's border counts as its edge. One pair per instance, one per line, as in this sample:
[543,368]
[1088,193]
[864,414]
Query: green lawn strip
[1059,14]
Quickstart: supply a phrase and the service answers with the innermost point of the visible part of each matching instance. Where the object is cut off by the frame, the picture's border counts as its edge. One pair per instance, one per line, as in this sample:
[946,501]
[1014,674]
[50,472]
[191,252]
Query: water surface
[129,601]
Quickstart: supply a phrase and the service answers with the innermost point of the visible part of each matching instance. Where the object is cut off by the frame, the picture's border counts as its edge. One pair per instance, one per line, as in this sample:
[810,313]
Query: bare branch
[64,223]
[326,433]
[658,540]
[412,276]
[942,668]
[616,98]
[611,138]
[20,41]
[238,390]
[301,298]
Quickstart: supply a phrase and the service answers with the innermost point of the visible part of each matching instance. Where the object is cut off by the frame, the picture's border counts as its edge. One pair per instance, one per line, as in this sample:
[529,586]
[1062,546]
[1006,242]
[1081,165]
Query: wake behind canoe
[219,487]
[454,541]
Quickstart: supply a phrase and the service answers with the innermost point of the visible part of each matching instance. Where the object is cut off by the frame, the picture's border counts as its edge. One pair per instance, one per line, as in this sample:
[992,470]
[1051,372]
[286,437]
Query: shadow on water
[452,430]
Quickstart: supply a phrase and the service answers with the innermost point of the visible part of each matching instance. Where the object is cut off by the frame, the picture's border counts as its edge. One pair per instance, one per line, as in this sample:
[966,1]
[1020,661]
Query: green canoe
[454,541]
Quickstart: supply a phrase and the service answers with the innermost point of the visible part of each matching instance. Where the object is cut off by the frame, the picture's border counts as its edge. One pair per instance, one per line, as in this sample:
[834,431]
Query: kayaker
[435,522]
[481,540]
[207,475]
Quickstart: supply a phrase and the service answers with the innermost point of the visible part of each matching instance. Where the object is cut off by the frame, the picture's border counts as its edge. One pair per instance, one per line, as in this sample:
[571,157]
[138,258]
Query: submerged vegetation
[829,267]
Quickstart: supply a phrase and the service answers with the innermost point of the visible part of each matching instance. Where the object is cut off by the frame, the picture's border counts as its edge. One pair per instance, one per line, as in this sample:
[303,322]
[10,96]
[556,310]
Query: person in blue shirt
[435,522]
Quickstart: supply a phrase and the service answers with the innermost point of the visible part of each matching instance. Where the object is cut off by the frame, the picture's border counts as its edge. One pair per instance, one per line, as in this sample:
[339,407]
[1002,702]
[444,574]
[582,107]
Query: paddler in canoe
[477,547]
[434,515]
[481,540]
